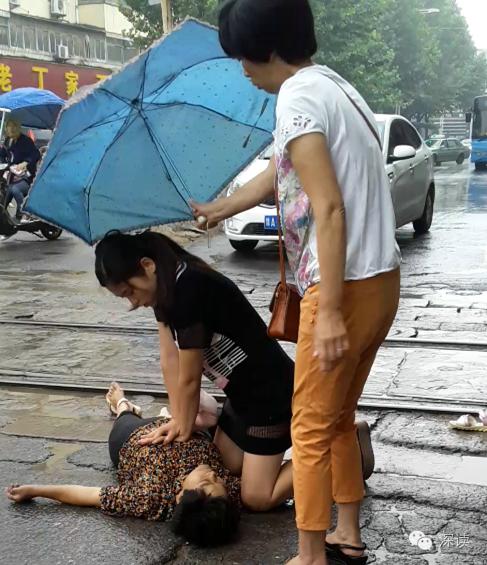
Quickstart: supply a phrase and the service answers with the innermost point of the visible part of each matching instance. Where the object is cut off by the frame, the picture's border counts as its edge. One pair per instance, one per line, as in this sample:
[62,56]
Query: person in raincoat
[20,152]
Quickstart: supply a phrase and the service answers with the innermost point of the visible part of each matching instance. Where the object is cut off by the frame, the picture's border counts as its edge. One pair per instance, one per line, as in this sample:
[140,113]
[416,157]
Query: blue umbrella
[33,107]
[175,124]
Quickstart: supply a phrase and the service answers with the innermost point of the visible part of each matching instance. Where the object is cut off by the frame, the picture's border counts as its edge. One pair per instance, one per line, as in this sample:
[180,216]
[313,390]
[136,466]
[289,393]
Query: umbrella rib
[122,129]
[160,147]
[171,104]
[100,123]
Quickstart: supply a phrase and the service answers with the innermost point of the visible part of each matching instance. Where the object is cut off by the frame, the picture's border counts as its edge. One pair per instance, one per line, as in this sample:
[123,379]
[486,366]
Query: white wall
[92,15]
[4,6]
[42,9]
[115,21]
[104,16]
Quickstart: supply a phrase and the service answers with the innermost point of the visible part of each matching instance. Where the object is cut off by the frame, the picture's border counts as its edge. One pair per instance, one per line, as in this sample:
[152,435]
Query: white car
[409,166]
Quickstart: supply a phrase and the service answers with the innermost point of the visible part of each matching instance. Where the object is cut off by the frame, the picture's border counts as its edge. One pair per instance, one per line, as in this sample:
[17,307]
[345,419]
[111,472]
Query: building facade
[60,45]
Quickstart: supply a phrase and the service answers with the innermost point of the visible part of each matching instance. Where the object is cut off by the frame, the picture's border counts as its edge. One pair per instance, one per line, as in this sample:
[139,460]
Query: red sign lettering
[64,80]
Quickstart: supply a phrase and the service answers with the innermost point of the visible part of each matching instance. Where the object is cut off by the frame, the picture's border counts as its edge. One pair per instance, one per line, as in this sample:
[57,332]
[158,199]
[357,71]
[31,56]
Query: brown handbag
[285,303]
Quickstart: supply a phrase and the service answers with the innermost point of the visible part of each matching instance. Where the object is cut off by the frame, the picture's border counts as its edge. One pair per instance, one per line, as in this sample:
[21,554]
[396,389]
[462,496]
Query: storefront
[63,79]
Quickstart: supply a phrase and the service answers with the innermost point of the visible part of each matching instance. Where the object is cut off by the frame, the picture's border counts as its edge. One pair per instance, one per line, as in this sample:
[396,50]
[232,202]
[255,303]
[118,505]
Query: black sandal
[335,550]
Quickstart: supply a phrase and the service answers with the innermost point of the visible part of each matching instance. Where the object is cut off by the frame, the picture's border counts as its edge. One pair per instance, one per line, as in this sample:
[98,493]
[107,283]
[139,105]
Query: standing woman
[339,230]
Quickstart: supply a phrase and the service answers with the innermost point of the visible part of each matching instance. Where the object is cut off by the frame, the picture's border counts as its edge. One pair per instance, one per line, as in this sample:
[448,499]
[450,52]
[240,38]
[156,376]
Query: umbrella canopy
[33,107]
[175,124]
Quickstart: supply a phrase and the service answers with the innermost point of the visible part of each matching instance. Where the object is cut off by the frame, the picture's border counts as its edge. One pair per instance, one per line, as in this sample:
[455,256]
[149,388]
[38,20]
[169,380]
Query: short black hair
[255,29]
[205,520]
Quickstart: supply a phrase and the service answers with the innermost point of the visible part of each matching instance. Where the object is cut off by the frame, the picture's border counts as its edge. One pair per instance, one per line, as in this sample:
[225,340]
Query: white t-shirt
[309,102]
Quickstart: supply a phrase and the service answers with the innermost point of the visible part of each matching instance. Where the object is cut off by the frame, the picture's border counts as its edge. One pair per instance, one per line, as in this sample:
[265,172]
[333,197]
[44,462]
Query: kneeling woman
[208,327]
[185,481]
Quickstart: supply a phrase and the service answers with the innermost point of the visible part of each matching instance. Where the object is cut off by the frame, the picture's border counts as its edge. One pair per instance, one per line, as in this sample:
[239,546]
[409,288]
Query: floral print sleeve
[135,501]
[297,114]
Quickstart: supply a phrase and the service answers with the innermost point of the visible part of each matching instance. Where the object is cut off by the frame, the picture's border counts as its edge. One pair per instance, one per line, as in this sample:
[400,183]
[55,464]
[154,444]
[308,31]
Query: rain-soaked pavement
[444,297]
[427,477]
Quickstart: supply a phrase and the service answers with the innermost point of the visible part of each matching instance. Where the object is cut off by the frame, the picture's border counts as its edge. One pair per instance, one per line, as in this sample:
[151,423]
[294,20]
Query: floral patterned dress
[151,476]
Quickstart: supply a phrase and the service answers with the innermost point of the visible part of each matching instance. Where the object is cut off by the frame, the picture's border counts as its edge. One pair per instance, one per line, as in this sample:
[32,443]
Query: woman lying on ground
[207,327]
[183,481]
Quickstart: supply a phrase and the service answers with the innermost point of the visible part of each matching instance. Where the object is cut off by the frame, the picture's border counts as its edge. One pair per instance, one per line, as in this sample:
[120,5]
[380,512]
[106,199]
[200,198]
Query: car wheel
[479,166]
[436,161]
[423,224]
[50,232]
[460,159]
[243,246]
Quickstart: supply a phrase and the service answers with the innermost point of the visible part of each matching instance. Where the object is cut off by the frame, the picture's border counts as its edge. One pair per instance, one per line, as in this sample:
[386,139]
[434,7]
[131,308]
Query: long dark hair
[118,257]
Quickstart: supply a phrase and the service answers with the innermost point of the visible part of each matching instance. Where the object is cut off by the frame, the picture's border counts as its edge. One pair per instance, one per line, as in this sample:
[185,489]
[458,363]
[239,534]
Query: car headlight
[232,188]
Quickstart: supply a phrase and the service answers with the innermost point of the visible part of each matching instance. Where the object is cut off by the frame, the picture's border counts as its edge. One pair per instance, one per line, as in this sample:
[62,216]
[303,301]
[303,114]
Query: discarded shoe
[483,416]
[468,423]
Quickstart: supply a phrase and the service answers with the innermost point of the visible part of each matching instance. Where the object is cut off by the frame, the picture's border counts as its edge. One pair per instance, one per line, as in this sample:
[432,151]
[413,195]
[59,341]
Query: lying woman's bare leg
[114,395]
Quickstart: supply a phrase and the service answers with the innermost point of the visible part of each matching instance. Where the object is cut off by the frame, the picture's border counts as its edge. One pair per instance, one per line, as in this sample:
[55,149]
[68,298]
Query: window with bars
[114,52]
[30,38]
[46,40]
[4,34]
[43,41]
[16,35]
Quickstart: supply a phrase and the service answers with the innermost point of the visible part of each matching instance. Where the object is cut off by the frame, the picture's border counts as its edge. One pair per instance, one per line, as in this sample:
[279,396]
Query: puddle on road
[409,462]
[60,452]
[64,429]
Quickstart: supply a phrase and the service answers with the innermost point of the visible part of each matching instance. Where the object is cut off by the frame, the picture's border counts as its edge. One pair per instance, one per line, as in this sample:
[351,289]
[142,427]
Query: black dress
[211,313]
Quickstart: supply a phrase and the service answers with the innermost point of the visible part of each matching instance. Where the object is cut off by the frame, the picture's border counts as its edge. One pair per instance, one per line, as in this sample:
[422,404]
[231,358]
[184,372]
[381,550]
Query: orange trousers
[326,454]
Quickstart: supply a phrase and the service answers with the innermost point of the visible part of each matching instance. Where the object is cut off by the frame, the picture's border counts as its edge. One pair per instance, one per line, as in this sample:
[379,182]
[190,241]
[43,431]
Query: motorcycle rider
[20,152]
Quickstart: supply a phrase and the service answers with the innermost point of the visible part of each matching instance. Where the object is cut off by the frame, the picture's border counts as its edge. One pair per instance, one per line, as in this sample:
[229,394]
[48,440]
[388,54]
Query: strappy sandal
[137,410]
[468,423]
[335,550]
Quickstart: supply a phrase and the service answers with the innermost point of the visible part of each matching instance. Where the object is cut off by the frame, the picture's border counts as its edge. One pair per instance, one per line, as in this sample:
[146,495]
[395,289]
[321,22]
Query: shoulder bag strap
[360,111]
[282,263]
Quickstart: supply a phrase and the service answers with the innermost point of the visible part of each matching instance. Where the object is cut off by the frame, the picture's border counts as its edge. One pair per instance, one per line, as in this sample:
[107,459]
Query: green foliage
[352,44]
[390,51]
[147,20]
[416,52]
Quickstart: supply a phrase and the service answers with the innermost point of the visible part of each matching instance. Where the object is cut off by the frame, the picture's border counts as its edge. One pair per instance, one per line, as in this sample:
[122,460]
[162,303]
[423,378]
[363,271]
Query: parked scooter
[9,226]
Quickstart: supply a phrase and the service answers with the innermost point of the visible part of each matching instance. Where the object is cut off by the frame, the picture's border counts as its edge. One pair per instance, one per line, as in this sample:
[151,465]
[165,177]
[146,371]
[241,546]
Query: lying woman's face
[205,479]
[140,290]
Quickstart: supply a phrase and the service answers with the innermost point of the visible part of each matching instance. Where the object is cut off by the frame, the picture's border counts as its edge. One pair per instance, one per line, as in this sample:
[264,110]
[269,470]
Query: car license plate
[270,223]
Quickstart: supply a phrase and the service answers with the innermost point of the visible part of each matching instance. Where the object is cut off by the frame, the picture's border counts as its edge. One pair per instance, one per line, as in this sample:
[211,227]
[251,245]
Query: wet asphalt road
[444,297]
[427,477]
[453,256]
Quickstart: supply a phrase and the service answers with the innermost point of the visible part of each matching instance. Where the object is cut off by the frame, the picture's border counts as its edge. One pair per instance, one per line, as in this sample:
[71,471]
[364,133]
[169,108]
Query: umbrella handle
[202,220]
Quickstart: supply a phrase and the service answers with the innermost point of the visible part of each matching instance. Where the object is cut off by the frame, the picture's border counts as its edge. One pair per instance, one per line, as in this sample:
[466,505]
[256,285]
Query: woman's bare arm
[169,357]
[312,160]
[74,495]
[251,194]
